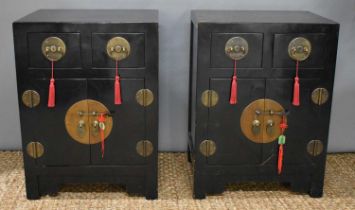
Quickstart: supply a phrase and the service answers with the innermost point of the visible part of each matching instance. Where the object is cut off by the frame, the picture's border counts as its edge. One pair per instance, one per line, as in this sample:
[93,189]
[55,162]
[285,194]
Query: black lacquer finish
[86,72]
[266,72]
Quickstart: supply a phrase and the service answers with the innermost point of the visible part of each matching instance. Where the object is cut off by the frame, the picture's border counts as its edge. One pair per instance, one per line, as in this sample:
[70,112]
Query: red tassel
[118,100]
[51,94]
[296,89]
[280,157]
[117,91]
[234,86]
[234,89]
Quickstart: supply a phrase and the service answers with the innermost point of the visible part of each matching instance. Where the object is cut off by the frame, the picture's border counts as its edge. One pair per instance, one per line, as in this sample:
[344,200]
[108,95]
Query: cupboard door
[232,146]
[303,121]
[128,122]
[47,125]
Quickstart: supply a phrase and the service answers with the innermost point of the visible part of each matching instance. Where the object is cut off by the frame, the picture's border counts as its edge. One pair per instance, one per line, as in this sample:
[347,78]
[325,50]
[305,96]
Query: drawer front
[253,59]
[318,55]
[71,59]
[136,58]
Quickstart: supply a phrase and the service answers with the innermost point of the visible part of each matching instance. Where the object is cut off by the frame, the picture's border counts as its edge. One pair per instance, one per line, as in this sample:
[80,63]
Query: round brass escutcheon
[315,147]
[31,98]
[118,48]
[53,48]
[144,97]
[236,48]
[144,148]
[207,148]
[81,121]
[260,120]
[35,149]
[299,48]
[320,96]
[209,98]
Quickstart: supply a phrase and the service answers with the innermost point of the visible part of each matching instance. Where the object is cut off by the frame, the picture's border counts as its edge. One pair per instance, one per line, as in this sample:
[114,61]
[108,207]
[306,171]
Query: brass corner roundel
[118,48]
[31,98]
[209,98]
[144,148]
[260,120]
[207,148]
[299,48]
[81,121]
[35,149]
[53,48]
[144,97]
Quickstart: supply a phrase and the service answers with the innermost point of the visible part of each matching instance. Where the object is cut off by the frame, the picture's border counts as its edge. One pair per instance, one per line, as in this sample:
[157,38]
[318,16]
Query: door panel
[232,147]
[128,122]
[303,121]
[48,125]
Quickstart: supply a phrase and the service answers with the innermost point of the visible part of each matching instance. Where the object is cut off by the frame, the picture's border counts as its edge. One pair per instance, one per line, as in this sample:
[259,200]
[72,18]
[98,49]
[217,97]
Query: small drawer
[253,59]
[71,59]
[136,58]
[317,57]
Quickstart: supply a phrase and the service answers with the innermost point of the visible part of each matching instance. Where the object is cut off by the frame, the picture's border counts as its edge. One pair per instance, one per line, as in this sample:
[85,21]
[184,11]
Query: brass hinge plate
[207,148]
[209,98]
[144,148]
[144,97]
[53,48]
[31,98]
[35,149]
[315,147]
[320,96]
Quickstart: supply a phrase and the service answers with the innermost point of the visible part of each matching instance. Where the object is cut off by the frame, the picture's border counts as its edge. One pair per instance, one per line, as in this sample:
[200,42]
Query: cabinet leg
[188,154]
[151,194]
[32,187]
[316,190]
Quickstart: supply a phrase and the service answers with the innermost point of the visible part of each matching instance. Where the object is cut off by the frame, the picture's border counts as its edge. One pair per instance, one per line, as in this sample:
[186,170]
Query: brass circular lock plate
[144,148]
[209,98]
[118,48]
[315,147]
[320,96]
[31,98]
[236,48]
[299,49]
[35,149]
[144,97]
[207,148]
[81,121]
[267,113]
[53,48]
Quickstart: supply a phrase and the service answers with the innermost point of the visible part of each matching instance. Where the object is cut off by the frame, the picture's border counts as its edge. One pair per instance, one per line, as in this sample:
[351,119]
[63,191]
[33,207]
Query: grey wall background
[174,19]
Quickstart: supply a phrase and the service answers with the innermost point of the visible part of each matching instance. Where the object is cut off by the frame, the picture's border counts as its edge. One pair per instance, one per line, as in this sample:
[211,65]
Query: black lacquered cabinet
[243,140]
[87,136]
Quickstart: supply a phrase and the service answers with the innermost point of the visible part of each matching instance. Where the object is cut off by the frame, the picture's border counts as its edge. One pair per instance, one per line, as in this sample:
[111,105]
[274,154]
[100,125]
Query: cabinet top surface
[251,16]
[91,16]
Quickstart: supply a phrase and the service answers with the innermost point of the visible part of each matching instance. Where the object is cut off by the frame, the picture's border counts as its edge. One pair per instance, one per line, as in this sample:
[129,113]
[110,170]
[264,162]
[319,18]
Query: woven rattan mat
[175,190]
